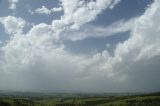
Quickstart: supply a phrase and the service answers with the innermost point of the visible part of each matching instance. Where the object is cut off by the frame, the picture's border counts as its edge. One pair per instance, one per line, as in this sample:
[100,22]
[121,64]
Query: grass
[79,100]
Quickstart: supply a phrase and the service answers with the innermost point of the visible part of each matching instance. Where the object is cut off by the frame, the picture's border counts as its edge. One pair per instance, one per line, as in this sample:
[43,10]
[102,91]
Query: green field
[68,99]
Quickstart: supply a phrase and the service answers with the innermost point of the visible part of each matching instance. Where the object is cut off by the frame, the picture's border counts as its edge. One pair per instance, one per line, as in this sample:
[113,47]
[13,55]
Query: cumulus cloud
[12,24]
[13,4]
[37,61]
[78,13]
[44,10]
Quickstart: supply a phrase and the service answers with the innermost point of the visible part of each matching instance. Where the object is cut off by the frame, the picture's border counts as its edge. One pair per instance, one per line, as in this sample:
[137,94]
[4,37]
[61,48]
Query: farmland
[78,99]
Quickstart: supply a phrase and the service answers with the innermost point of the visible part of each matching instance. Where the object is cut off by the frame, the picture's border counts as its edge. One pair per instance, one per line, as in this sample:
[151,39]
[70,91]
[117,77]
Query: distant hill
[78,99]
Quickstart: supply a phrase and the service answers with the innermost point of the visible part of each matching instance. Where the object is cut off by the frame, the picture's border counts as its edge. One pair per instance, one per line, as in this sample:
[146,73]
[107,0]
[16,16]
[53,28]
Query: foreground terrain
[67,99]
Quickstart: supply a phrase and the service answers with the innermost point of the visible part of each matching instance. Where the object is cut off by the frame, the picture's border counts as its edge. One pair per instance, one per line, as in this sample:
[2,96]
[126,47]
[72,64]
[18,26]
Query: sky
[80,45]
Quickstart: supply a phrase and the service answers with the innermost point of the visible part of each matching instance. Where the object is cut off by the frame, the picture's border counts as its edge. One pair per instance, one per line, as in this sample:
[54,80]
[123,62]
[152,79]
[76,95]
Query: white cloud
[36,62]
[144,33]
[56,9]
[13,4]
[78,13]
[13,25]
[44,10]
[98,31]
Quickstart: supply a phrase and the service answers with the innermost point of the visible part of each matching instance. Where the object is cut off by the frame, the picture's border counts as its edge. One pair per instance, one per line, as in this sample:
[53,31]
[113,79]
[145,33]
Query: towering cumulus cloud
[38,59]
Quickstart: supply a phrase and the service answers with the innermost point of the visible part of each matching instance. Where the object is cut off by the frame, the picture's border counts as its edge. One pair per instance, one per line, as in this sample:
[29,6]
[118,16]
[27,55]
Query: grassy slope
[136,101]
[139,100]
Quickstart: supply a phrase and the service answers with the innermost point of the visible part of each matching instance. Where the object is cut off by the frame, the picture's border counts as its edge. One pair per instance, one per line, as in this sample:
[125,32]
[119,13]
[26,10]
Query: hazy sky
[80,45]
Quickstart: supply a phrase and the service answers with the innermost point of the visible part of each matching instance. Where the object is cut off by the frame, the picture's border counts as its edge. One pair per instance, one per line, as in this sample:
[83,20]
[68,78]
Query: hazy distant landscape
[78,99]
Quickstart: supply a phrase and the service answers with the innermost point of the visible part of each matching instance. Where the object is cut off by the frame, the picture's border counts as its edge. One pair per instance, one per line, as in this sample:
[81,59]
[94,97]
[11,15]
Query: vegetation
[63,99]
